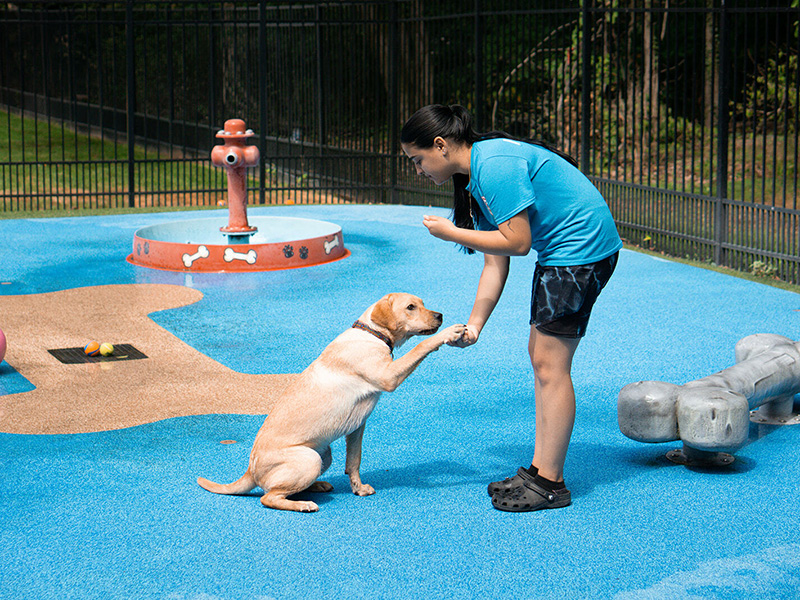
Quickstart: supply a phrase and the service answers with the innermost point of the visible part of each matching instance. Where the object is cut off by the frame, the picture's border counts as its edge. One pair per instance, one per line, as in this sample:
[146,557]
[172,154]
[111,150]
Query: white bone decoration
[188,259]
[331,244]
[249,257]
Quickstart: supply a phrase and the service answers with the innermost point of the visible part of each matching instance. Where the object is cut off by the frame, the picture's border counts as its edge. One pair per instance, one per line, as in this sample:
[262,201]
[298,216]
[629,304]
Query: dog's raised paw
[454,333]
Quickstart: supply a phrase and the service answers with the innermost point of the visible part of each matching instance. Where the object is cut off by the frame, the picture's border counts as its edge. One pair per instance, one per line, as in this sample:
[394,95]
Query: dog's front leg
[397,371]
[353,463]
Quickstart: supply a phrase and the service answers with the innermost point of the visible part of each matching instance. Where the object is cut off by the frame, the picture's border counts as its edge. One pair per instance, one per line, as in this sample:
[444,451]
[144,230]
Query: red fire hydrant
[236,157]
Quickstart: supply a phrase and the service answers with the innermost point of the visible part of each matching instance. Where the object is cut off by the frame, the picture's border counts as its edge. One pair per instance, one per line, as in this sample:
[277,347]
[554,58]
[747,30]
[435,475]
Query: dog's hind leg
[323,486]
[297,469]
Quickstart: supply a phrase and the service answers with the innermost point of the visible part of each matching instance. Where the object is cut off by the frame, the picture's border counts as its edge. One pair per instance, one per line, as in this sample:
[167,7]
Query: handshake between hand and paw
[460,335]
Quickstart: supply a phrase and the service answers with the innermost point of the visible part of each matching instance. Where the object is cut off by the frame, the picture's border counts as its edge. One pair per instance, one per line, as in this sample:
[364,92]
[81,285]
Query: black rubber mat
[74,356]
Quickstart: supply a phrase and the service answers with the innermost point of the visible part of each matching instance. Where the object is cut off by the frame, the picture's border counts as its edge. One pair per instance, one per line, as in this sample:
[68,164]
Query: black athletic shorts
[563,297]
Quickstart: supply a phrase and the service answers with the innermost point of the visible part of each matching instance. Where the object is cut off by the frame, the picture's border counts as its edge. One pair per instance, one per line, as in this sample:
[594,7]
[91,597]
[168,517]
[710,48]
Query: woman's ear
[383,315]
[440,144]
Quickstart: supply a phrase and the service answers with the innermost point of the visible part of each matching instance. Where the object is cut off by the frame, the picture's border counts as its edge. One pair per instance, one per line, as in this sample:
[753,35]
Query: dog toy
[91,349]
[713,414]
[106,349]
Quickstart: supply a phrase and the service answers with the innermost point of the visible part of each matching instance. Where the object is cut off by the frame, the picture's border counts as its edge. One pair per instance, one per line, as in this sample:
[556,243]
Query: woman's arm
[490,287]
[511,238]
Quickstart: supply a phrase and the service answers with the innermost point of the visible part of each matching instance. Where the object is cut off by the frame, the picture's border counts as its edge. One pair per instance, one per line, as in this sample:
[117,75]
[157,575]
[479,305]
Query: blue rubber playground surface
[117,514]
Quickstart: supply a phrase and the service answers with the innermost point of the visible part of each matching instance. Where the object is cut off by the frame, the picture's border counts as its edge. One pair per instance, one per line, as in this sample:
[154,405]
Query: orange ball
[91,349]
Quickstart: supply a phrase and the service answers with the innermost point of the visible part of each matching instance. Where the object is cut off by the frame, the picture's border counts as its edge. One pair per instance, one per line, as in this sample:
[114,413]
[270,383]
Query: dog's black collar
[377,334]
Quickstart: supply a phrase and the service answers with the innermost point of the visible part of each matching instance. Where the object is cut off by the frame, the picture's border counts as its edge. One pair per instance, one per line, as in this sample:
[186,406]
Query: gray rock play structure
[712,415]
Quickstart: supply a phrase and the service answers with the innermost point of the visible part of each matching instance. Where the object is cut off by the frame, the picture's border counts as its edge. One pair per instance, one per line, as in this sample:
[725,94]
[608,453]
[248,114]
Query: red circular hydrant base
[285,243]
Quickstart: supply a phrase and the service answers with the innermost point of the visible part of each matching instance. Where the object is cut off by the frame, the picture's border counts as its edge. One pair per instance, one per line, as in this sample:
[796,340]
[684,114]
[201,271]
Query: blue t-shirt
[570,221]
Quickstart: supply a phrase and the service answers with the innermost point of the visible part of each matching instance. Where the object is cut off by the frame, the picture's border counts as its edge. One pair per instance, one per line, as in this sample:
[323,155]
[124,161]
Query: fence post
[394,105]
[131,100]
[320,95]
[586,83]
[262,100]
[478,112]
[723,120]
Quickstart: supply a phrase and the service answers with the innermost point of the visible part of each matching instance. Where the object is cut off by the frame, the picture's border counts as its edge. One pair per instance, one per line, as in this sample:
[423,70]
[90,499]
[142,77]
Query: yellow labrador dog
[333,398]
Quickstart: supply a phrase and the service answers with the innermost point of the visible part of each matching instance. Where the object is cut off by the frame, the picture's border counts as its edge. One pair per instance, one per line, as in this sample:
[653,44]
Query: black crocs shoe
[530,496]
[509,483]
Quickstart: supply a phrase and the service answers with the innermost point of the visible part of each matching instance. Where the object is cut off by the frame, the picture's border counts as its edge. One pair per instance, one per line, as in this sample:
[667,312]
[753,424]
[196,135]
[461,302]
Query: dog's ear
[383,315]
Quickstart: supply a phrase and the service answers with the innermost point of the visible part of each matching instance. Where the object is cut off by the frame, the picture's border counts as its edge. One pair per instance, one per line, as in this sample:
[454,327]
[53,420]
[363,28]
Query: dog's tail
[242,485]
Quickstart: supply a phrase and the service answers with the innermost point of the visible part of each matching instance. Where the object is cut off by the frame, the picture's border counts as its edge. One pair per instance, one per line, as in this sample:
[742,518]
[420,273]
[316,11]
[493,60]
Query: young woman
[510,196]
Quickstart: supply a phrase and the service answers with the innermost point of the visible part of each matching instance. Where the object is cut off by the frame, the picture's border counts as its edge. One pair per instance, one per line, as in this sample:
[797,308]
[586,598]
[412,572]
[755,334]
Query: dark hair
[455,123]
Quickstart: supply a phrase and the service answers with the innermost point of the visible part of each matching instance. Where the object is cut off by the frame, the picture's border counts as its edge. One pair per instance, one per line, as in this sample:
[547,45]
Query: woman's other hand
[439,227]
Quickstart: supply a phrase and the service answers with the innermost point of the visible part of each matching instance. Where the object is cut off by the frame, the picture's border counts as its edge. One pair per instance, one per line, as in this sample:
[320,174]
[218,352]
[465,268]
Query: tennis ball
[106,349]
[91,349]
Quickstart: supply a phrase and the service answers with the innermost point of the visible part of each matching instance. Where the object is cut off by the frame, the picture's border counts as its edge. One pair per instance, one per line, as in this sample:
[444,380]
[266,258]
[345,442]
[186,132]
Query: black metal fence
[685,115]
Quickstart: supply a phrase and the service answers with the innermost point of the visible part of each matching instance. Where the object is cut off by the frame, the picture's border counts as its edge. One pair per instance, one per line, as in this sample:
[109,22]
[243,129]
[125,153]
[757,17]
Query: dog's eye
[411,307]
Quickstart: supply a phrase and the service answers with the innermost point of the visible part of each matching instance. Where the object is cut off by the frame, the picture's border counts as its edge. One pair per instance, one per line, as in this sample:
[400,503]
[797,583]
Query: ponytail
[454,123]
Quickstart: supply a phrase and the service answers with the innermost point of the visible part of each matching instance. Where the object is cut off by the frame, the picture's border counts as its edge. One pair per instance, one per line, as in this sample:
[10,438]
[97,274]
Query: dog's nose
[437,317]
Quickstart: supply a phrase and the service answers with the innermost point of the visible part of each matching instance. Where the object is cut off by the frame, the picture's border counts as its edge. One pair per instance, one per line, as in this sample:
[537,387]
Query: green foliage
[762,269]
[771,96]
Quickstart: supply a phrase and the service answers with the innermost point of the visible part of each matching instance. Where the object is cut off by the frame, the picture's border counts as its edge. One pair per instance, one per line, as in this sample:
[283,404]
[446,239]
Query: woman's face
[434,162]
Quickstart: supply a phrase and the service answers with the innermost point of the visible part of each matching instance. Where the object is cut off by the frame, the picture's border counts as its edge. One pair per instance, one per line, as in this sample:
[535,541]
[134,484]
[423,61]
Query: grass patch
[766,279]
[53,213]
[45,165]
